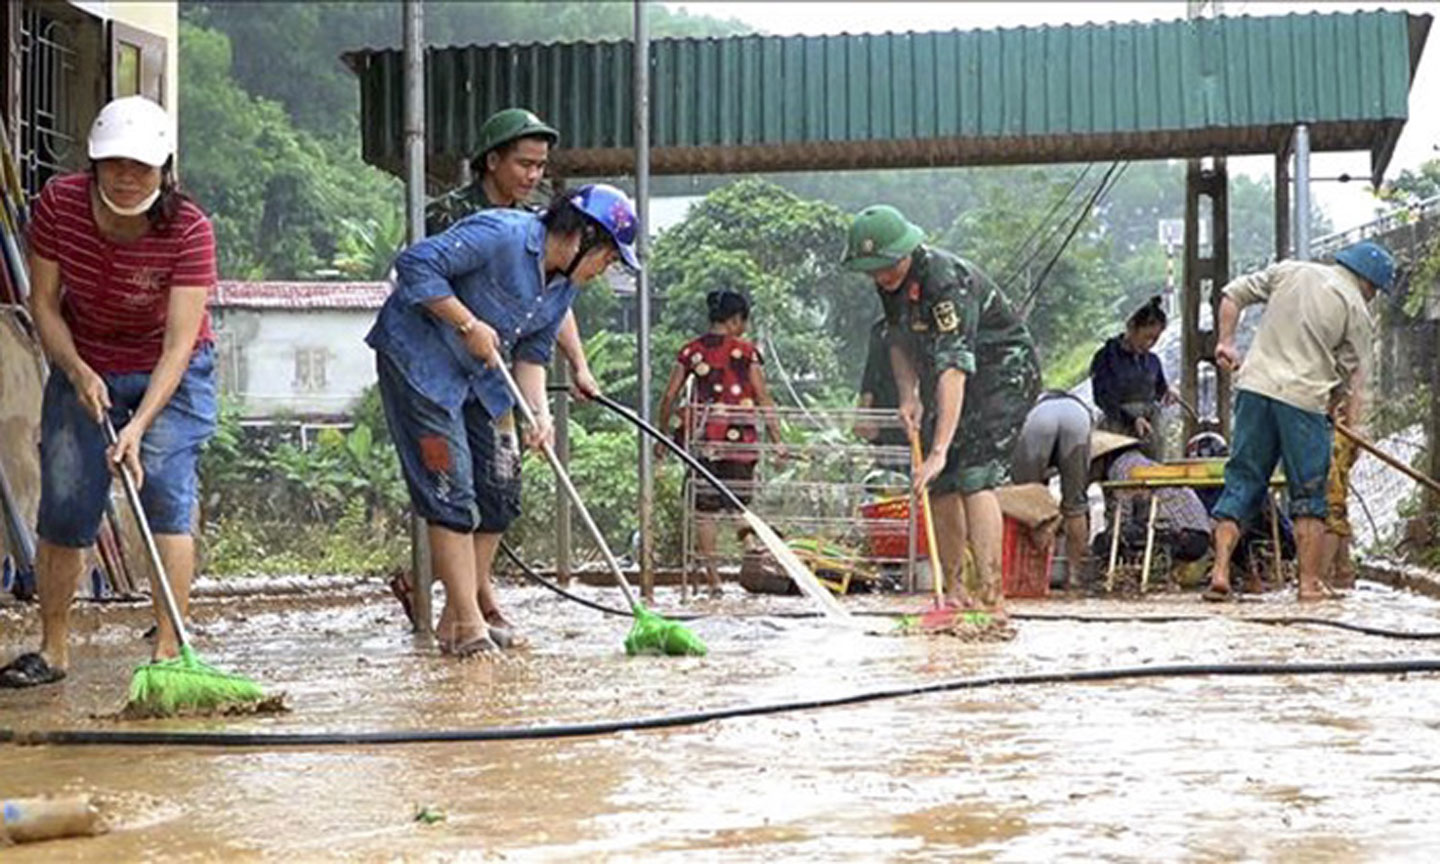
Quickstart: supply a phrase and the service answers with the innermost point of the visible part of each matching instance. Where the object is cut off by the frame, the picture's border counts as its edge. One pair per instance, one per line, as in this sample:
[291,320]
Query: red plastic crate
[890,540]
[1025,572]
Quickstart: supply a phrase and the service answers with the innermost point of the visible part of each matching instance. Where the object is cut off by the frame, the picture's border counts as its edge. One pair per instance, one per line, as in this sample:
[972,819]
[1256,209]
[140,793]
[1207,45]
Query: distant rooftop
[300,295]
[1023,95]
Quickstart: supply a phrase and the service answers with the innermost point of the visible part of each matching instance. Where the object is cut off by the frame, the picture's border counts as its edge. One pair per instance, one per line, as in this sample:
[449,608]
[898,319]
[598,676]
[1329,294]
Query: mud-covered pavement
[1308,769]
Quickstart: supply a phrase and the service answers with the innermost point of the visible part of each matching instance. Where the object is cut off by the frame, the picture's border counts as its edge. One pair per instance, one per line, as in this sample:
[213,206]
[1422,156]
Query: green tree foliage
[783,252]
[277,196]
[1416,185]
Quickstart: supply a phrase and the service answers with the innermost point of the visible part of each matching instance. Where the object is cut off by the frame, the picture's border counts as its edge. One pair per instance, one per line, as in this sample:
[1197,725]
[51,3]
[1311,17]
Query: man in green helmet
[508,165]
[967,374]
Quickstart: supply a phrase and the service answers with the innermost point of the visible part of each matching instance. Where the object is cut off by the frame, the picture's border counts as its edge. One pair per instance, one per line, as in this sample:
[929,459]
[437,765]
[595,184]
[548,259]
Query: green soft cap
[879,237]
[508,124]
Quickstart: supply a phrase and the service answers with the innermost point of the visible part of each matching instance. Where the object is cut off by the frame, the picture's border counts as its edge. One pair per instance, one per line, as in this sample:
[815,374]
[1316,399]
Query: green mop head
[653,634]
[943,620]
[184,684]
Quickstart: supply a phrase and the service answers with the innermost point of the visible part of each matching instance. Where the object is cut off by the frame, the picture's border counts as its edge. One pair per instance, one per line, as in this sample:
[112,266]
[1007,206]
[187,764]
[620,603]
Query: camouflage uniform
[950,315]
[455,205]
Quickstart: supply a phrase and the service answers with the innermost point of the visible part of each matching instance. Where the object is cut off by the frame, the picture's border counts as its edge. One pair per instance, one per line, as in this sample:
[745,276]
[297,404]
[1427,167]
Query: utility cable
[1013,264]
[1111,177]
[1079,211]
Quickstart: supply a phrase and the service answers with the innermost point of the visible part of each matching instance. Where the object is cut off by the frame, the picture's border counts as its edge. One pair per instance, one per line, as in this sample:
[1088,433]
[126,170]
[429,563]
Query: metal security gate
[48,63]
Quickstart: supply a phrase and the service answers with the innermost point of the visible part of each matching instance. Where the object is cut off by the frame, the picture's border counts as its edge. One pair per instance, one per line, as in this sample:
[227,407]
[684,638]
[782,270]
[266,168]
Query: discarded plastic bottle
[29,820]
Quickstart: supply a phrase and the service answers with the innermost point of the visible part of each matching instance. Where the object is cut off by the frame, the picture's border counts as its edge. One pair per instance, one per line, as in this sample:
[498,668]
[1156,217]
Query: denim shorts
[74,479]
[1267,432]
[462,468]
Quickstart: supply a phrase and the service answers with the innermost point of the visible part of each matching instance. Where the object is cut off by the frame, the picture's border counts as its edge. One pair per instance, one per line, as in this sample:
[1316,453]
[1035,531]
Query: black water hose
[671,721]
[650,429]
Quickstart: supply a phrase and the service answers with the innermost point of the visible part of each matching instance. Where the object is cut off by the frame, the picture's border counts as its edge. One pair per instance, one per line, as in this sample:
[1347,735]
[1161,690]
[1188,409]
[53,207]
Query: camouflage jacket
[950,315]
[455,205]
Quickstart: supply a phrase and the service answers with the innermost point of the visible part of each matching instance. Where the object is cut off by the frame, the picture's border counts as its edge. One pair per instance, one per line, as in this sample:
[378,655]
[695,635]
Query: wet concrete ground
[1203,769]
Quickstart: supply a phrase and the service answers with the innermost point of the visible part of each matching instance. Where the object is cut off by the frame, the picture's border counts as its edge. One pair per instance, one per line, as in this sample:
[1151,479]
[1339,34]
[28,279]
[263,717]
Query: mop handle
[937,571]
[1189,409]
[564,477]
[1369,446]
[172,609]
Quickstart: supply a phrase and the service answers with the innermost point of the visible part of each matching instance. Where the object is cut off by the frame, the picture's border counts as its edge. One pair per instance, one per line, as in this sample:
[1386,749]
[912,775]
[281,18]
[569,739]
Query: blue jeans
[1267,432]
[461,467]
[74,479]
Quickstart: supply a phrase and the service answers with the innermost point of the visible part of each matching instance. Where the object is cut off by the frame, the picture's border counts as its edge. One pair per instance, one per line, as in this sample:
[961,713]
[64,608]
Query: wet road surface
[1310,769]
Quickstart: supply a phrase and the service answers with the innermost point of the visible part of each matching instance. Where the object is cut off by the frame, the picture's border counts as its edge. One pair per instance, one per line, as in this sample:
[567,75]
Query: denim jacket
[492,262]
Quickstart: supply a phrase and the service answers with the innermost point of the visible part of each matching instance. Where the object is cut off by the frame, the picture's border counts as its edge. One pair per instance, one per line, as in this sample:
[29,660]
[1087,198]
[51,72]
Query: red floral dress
[721,367]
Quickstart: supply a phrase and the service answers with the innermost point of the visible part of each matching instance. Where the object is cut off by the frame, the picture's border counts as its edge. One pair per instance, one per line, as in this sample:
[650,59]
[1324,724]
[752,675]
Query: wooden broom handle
[1428,482]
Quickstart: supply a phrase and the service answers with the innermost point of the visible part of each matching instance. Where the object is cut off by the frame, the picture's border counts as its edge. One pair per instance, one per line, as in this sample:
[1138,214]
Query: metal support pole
[1432,499]
[1302,192]
[642,292]
[1282,204]
[414,38]
[413,28]
[1192,339]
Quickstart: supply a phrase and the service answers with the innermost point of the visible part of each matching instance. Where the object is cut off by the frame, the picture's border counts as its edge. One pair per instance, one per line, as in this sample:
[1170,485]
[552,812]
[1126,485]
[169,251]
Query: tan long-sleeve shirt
[1314,335]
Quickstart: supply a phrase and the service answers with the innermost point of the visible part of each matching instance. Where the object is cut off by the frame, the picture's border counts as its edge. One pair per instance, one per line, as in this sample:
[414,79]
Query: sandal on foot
[400,587]
[503,633]
[1215,594]
[29,670]
[481,644]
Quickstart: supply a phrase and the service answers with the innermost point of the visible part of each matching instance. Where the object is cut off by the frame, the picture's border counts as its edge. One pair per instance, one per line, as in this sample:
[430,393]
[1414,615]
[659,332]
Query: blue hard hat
[1370,261]
[613,211]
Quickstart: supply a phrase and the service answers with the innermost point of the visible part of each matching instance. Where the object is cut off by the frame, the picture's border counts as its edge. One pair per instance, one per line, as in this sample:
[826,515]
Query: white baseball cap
[132,128]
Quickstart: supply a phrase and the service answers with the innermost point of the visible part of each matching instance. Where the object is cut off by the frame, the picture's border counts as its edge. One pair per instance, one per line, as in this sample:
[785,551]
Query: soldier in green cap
[967,374]
[508,165]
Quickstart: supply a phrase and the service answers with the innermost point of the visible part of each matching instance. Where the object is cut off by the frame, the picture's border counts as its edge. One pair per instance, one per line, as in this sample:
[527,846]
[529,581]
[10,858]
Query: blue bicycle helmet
[614,212]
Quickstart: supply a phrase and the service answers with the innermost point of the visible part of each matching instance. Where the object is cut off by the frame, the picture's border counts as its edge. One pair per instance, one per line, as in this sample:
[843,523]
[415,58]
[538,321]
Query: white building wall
[260,365]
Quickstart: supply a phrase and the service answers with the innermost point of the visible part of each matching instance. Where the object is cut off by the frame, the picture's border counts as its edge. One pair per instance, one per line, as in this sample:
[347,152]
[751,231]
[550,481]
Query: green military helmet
[508,124]
[879,237]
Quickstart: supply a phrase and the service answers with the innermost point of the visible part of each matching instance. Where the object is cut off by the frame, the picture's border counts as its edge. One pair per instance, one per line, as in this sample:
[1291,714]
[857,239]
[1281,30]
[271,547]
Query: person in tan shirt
[1313,339]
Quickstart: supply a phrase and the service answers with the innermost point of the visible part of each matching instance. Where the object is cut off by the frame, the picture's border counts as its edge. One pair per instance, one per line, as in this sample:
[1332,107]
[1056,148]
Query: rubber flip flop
[1215,595]
[505,634]
[29,670]
[481,644]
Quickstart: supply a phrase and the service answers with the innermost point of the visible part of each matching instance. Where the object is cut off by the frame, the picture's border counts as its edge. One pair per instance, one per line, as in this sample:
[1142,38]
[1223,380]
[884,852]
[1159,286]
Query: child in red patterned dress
[729,385]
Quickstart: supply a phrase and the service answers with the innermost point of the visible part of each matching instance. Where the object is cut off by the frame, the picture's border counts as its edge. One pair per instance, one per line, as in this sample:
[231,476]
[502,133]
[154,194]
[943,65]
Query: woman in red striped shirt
[121,266]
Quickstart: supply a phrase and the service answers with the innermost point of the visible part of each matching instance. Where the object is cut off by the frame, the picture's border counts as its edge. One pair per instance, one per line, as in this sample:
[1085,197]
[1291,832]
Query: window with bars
[49,124]
[309,369]
[68,63]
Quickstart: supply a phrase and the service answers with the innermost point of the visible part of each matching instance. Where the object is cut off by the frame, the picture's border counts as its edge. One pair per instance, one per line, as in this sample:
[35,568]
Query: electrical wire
[1013,264]
[1112,176]
[158,738]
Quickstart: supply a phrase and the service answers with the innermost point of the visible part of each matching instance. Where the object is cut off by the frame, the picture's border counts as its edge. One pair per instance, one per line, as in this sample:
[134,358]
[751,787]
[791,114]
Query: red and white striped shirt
[115,296]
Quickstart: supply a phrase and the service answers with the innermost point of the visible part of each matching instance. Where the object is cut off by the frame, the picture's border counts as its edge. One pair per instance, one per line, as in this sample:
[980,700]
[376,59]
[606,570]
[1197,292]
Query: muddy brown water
[1200,769]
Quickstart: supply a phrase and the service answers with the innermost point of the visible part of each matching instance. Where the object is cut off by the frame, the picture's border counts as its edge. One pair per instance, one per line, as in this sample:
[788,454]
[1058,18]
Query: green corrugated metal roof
[1221,86]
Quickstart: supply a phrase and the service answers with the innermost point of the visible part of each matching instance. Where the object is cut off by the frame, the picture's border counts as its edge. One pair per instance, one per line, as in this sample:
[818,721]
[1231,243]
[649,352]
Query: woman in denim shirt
[493,288]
